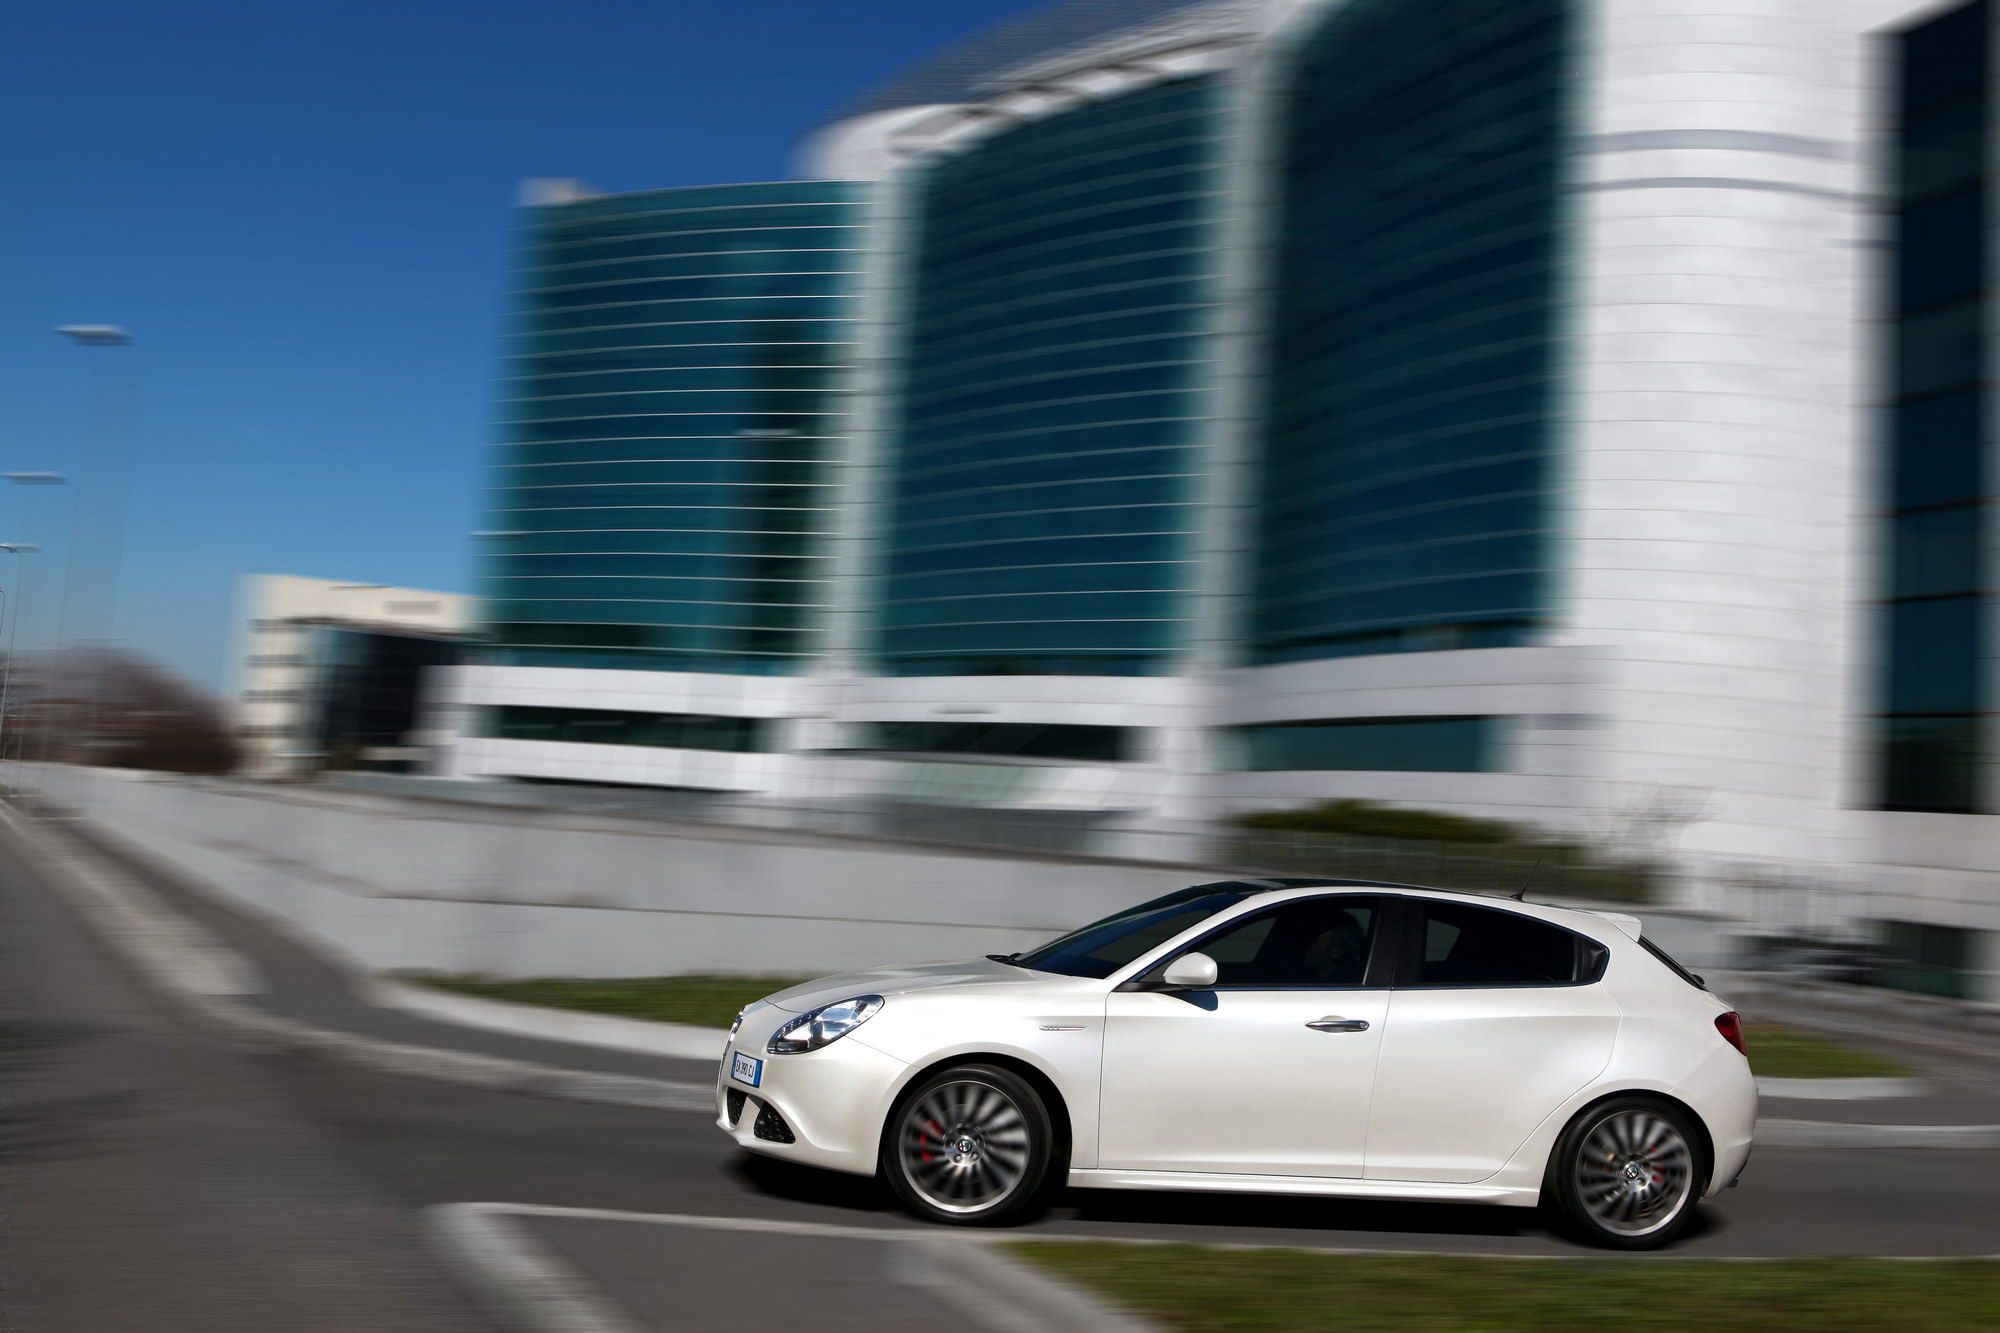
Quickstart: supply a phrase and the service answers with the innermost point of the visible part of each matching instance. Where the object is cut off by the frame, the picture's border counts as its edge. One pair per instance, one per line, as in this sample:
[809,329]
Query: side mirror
[1191,971]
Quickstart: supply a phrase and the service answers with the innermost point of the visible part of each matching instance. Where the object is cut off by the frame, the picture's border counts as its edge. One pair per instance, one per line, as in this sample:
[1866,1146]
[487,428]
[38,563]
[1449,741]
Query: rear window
[1464,945]
[1672,966]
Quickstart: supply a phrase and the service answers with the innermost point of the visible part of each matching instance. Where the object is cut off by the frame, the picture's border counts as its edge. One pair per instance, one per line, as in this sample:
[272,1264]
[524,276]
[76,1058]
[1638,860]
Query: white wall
[392,884]
[1717,442]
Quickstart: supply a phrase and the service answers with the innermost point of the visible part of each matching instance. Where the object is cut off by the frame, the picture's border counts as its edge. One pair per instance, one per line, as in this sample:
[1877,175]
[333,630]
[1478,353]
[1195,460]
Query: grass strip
[1777,1051]
[1192,1289]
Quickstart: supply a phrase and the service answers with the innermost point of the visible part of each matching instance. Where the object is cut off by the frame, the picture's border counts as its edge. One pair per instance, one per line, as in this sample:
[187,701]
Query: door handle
[1339,1025]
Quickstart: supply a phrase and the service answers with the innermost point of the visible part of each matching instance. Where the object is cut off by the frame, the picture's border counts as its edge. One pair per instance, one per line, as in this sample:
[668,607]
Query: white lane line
[993,1239]
[524,1282]
[518,1279]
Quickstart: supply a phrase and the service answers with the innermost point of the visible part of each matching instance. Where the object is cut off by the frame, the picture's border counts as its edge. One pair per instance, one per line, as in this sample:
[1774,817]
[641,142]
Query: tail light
[1730,1025]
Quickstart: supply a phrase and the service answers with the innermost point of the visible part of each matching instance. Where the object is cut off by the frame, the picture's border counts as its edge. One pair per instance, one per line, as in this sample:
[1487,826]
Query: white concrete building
[287,631]
[1489,405]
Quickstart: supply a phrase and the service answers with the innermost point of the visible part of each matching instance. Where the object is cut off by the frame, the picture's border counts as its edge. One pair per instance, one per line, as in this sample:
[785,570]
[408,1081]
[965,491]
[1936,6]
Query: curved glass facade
[1934,731]
[662,494]
[1411,411]
[1058,347]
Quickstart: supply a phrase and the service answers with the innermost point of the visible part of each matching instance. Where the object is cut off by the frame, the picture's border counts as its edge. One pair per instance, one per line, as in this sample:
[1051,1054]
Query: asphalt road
[153,1175]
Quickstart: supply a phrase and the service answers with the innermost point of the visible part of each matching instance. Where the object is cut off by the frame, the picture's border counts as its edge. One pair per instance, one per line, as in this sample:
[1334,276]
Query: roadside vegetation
[1370,840]
[1192,1289]
[704,1001]
[712,1001]
[1777,1051]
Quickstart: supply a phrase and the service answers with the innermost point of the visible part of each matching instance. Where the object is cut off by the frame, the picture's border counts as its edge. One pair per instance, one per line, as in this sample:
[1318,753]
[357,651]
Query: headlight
[828,1023]
[736,1024]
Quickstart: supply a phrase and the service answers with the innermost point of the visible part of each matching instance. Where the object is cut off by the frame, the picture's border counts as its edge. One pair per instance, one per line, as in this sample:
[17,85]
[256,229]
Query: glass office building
[662,494]
[1159,409]
[1056,376]
[1411,401]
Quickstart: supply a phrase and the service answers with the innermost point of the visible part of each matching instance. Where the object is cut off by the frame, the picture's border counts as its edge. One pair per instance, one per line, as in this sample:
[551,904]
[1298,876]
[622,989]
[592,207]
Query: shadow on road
[1361,1220]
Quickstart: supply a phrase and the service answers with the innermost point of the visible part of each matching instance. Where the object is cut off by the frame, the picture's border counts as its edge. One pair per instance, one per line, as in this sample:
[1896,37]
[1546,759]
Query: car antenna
[1520,895]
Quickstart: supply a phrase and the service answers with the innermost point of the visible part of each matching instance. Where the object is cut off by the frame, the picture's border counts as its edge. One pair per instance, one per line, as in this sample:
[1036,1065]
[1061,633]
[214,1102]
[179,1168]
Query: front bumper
[831,1102]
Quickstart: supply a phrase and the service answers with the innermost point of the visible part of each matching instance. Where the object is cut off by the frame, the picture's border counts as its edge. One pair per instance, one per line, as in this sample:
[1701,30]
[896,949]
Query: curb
[673,1041]
[1840,1089]
[184,960]
[522,1281]
[1836,1134]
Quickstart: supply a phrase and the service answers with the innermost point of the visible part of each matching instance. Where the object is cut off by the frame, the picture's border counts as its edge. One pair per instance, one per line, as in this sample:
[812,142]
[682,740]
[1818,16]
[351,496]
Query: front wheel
[970,1145]
[1628,1173]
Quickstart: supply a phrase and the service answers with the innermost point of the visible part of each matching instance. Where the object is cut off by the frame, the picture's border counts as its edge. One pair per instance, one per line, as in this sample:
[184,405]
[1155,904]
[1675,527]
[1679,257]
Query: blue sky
[303,210]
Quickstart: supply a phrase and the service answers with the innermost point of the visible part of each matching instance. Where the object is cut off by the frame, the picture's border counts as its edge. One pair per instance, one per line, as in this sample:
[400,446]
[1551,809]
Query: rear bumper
[1724,1094]
[831,1101]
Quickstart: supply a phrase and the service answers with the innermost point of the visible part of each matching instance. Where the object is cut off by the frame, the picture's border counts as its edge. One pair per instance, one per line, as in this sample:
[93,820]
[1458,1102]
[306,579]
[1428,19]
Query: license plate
[745,1069]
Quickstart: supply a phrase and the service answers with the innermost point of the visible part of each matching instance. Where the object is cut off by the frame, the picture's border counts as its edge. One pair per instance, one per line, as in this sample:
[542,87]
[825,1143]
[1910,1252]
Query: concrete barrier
[391,884]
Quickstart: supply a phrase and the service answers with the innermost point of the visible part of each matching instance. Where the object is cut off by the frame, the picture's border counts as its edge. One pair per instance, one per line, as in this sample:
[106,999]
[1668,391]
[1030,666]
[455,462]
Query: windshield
[1102,947]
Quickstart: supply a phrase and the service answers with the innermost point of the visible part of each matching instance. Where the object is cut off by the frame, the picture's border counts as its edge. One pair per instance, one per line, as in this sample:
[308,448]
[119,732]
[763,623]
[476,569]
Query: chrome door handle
[1339,1025]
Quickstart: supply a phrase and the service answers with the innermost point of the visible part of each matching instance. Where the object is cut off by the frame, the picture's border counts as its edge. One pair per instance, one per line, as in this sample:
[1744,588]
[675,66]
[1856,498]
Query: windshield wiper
[1012,959]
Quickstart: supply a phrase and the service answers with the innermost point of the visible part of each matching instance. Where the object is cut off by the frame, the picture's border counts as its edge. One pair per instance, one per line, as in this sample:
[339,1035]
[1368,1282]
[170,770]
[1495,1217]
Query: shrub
[1370,819]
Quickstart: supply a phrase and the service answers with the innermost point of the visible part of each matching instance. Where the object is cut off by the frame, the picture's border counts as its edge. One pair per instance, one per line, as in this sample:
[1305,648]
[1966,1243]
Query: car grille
[735,1101]
[771,1126]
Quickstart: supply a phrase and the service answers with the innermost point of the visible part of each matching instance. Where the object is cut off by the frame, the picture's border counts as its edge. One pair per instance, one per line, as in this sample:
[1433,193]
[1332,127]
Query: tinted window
[1481,946]
[1102,947]
[1312,942]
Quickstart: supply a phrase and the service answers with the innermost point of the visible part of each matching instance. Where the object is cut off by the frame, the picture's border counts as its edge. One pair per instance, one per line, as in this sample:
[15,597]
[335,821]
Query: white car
[1336,1039]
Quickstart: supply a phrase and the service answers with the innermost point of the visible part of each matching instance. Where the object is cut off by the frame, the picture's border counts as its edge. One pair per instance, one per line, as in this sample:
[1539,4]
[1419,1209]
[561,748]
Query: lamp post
[13,638]
[106,455]
[27,529]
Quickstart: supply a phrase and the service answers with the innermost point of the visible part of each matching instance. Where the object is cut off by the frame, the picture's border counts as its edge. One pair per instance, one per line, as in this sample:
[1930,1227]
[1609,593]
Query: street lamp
[96,335]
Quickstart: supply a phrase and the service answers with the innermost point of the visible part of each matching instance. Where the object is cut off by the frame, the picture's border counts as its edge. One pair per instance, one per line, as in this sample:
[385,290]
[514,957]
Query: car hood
[886,981]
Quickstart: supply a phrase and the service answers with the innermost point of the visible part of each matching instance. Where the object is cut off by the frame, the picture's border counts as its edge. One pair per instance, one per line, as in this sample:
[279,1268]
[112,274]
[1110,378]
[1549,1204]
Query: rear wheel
[1628,1173]
[969,1145]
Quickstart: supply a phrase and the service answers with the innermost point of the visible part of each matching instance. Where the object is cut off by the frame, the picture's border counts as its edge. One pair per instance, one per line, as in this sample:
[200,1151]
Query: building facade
[1565,411]
[338,674]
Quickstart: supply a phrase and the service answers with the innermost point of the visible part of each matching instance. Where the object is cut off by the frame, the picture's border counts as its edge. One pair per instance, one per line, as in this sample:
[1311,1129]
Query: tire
[970,1145]
[1628,1173]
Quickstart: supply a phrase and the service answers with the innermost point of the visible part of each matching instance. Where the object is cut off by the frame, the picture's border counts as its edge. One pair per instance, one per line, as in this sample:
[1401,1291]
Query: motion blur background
[1484,444]
[1142,426]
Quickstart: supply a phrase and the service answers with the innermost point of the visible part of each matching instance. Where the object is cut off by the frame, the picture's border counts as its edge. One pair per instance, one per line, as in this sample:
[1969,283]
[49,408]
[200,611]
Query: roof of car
[1628,925]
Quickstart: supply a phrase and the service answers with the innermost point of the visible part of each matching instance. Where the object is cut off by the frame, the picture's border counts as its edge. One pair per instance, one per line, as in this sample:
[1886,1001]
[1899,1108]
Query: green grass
[1189,1289]
[1781,1052]
[705,1001]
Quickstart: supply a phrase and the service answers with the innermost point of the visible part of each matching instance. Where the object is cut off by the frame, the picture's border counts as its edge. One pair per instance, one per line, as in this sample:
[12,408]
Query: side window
[1309,942]
[1484,946]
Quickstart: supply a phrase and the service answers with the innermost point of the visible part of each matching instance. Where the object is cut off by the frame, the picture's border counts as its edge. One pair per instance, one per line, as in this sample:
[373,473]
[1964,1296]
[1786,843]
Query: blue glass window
[1931,739]
[1379,744]
[1053,392]
[1413,359]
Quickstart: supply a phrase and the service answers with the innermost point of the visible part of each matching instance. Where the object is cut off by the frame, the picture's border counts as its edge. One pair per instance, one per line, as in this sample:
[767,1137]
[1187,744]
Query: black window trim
[1410,959]
[1382,953]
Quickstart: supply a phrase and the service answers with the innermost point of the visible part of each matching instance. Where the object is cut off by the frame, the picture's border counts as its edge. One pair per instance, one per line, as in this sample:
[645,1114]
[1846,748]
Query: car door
[1494,1022]
[1267,1072]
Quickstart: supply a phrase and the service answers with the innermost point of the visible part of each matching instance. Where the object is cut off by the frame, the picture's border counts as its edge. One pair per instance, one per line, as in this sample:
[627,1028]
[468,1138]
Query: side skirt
[1328,1187]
